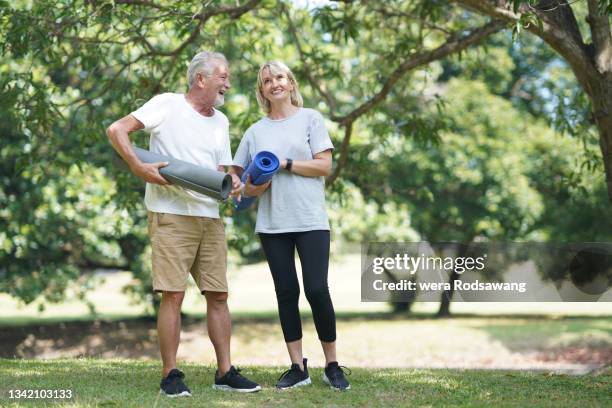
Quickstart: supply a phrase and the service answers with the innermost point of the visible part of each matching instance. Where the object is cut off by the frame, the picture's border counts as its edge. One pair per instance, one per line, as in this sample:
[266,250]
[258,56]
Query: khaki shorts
[184,245]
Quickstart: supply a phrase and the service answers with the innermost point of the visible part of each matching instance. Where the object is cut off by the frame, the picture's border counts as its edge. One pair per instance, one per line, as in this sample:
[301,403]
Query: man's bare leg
[169,328]
[219,327]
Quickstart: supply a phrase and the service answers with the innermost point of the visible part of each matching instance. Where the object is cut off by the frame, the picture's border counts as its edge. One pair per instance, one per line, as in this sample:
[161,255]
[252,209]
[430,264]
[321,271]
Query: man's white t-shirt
[179,131]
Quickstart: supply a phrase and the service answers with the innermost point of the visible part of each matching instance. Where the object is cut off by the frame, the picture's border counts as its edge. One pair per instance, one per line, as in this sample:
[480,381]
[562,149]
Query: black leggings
[313,250]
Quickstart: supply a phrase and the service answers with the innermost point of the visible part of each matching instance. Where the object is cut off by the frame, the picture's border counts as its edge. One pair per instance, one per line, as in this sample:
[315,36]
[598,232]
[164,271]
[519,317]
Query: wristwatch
[289,164]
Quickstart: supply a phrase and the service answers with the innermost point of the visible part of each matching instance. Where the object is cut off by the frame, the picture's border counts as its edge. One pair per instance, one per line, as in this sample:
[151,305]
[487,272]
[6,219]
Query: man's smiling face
[217,84]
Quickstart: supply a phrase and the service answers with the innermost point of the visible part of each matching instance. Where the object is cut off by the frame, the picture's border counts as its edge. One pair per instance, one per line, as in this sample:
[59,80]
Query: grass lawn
[122,367]
[130,383]
[364,340]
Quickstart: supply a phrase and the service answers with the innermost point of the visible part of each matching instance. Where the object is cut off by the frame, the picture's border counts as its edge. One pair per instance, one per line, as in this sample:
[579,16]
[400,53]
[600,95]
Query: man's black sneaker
[173,385]
[334,376]
[294,377]
[234,381]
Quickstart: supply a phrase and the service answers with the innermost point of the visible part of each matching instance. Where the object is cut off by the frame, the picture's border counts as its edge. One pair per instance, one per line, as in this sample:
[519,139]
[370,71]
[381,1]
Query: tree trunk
[591,63]
[601,101]
[398,306]
[447,296]
[401,307]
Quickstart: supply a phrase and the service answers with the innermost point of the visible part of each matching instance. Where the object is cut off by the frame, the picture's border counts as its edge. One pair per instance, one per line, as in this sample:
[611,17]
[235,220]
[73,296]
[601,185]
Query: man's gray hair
[203,63]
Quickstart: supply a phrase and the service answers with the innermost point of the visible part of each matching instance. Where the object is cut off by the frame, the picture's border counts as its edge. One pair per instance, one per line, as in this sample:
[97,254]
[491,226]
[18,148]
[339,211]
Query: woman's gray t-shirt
[293,203]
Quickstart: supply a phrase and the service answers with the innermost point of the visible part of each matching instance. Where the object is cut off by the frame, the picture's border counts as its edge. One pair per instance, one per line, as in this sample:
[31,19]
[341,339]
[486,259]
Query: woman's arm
[320,165]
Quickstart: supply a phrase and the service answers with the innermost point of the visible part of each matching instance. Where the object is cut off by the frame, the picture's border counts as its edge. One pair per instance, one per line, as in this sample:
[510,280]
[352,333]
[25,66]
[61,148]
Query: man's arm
[118,134]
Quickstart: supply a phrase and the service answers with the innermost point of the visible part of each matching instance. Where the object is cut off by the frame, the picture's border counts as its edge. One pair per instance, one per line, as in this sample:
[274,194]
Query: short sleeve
[242,158]
[153,112]
[226,158]
[318,137]
[226,151]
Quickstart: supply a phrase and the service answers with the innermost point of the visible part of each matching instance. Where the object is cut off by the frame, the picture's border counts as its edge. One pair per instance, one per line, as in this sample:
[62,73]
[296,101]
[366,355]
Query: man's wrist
[136,166]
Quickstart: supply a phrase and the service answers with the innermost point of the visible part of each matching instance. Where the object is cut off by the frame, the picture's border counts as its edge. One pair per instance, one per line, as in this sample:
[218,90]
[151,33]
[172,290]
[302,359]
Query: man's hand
[149,172]
[251,190]
[236,183]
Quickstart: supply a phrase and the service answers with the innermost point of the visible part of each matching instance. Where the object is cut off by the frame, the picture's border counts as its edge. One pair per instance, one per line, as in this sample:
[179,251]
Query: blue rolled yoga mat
[212,183]
[262,168]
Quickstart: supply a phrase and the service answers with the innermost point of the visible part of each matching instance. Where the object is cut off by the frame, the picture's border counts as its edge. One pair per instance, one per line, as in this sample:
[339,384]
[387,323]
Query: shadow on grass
[272,316]
[577,341]
[136,337]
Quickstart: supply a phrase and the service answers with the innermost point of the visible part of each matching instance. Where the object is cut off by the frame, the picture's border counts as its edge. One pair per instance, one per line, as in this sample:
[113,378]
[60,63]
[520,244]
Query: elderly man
[187,235]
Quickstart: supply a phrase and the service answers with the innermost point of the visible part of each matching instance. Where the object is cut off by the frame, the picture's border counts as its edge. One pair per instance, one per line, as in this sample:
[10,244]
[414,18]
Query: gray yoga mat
[212,183]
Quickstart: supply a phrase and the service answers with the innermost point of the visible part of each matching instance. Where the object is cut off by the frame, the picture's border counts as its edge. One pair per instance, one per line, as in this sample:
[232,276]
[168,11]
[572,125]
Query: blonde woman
[291,215]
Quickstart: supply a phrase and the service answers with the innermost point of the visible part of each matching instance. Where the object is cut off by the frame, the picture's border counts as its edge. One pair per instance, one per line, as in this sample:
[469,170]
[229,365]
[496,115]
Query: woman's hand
[251,190]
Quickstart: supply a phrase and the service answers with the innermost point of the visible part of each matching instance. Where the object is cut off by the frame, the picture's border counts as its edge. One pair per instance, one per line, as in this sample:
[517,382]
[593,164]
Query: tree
[554,21]
[385,42]
[71,67]
[472,183]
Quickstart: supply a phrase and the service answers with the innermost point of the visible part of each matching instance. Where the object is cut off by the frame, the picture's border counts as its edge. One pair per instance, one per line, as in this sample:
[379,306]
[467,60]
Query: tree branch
[90,265]
[602,40]
[203,16]
[331,102]
[154,52]
[455,43]
[158,87]
[348,130]
[559,14]
[233,12]
[143,3]
[559,30]
[387,14]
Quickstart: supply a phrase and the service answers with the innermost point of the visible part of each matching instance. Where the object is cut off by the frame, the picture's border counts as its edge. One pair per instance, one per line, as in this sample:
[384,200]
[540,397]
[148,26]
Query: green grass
[129,383]
[367,336]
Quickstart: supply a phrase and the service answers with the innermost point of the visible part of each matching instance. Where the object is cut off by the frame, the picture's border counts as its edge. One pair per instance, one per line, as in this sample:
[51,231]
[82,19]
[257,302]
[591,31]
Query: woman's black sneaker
[294,377]
[334,376]
[234,381]
[173,385]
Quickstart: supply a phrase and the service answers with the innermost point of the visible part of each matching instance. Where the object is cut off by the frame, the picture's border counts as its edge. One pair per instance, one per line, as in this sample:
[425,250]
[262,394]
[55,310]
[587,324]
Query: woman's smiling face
[276,85]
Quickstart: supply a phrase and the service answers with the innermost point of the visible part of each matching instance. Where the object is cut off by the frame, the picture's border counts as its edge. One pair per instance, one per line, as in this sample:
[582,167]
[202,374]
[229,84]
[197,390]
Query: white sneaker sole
[326,381]
[307,381]
[230,389]
[182,394]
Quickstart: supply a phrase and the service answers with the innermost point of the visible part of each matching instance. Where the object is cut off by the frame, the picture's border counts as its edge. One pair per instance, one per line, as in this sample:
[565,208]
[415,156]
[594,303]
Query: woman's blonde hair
[276,67]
